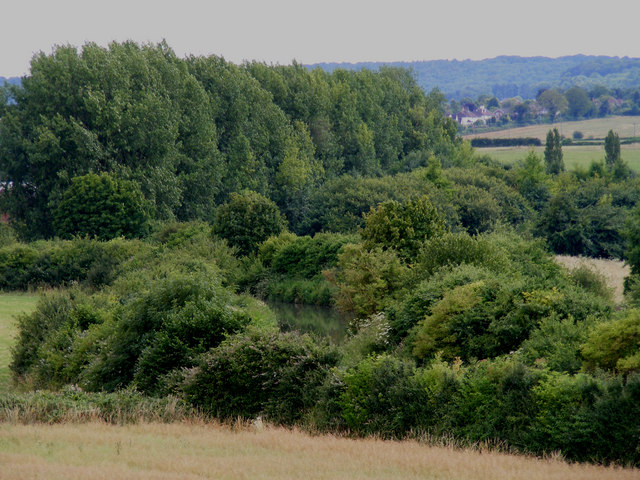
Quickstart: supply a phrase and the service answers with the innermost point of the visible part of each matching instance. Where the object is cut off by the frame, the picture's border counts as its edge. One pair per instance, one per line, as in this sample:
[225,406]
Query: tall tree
[553,153]
[611,149]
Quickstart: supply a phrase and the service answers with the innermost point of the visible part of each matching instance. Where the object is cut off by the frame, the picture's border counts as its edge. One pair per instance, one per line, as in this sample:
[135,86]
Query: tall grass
[201,450]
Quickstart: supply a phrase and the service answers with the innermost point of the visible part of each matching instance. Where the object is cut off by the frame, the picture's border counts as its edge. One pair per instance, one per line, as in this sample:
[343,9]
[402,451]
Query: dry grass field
[595,128]
[201,451]
[613,271]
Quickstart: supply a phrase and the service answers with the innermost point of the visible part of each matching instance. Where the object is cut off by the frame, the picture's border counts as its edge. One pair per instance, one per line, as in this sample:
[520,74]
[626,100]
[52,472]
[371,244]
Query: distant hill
[510,76]
[10,80]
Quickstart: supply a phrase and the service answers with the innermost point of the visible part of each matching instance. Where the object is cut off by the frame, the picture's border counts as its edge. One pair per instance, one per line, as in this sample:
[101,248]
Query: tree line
[191,131]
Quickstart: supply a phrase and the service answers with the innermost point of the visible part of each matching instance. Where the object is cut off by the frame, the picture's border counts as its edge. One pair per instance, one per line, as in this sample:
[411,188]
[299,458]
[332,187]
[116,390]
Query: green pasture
[574,156]
[11,304]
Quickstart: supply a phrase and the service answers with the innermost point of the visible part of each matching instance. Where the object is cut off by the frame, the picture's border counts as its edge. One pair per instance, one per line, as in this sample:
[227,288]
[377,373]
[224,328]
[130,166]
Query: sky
[280,31]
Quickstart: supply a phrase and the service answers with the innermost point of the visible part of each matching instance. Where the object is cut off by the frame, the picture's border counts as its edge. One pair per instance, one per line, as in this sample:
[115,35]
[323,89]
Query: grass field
[200,451]
[574,156]
[11,304]
[595,128]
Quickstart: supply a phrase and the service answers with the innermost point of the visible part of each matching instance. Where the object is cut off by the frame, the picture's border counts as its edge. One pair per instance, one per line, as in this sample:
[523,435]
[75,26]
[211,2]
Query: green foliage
[611,149]
[367,280]
[615,345]
[260,372]
[532,181]
[102,207]
[247,220]
[583,219]
[553,153]
[160,330]
[402,227]
[59,263]
[382,396]
[555,344]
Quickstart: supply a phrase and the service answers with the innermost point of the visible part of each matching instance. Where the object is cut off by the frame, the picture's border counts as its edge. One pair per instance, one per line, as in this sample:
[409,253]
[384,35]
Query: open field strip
[613,271]
[197,451]
[595,128]
[574,156]
[11,304]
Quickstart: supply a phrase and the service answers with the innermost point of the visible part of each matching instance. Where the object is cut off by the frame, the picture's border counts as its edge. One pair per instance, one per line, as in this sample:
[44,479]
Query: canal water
[322,321]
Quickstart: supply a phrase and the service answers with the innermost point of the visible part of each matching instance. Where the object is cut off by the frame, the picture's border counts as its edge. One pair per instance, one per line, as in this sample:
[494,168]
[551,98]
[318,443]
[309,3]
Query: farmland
[574,156]
[625,126]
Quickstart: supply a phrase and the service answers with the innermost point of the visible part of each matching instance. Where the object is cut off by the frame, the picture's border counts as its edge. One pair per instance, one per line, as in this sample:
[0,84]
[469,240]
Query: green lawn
[11,304]
[574,156]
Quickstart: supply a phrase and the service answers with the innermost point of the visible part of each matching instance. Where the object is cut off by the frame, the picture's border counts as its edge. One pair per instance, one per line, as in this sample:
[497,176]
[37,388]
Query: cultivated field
[11,304]
[197,451]
[574,156]
[595,128]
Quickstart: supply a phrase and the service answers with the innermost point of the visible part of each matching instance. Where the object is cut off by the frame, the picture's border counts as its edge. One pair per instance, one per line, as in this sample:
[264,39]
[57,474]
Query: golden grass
[11,304]
[613,271]
[596,128]
[201,451]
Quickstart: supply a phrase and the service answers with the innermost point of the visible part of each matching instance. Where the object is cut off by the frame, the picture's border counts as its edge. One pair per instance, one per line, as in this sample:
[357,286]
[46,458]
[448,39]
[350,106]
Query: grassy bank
[574,156]
[11,304]
[200,450]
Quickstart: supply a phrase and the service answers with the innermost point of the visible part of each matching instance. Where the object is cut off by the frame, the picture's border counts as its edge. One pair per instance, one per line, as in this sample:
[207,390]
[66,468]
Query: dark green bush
[383,397]
[268,373]
[103,207]
[247,220]
[163,329]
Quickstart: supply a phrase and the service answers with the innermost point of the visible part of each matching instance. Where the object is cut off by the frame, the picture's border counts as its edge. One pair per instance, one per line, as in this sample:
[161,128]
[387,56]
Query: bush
[402,226]
[102,207]
[368,280]
[615,345]
[260,372]
[382,396]
[247,220]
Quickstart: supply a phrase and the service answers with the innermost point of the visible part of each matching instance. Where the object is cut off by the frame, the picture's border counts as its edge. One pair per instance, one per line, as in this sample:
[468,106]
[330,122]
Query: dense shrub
[59,263]
[260,372]
[382,396]
[368,280]
[163,329]
[103,207]
[506,142]
[615,345]
[247,220]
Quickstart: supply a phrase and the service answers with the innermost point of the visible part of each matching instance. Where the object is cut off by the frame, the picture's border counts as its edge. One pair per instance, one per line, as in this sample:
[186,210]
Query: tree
[579,104]
[101,206]
[553,153]
[611,148]
[247,220]
[532,180]
[402,226]
[553,101]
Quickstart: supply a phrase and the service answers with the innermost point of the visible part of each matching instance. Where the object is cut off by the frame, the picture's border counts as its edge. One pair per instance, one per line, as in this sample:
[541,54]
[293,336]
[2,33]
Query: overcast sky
[278,31]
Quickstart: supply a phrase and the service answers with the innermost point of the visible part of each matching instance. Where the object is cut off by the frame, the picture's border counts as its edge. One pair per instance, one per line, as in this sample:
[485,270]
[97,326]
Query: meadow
[597,128]
[578,156]
[205,450]
[11,304]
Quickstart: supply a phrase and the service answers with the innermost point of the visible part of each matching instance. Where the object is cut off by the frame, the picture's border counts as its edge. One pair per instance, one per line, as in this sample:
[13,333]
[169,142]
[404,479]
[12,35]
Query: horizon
[337,31]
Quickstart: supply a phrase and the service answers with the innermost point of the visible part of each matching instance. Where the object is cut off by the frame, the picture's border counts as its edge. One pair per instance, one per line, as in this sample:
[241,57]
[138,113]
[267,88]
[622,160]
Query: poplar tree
[553,153]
